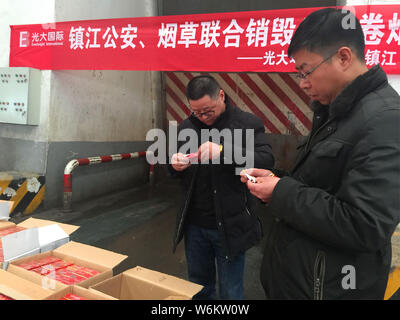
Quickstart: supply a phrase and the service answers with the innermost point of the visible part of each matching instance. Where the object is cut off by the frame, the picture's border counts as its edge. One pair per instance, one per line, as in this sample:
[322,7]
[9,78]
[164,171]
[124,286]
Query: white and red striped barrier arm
[95,160]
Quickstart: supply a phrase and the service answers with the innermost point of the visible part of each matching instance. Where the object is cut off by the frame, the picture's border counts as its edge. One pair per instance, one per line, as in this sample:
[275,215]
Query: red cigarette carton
[69,276]
[82,271]
[71,296]
[36,263]
[43,270]
[60,264]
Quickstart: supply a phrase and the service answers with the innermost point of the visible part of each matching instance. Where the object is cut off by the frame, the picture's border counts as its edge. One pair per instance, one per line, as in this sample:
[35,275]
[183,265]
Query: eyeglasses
[303,76]
[208,113]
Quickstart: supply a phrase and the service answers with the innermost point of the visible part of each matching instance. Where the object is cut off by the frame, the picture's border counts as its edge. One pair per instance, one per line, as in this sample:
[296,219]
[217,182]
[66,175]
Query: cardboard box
[79,291]
[39,236]
[144,284]
[6,224]
[81,254]
[21,289]
[37,223]
[51,234]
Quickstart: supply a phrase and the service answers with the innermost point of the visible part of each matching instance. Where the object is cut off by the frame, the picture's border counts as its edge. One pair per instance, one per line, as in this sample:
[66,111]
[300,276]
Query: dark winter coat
[338,208]
[234,205]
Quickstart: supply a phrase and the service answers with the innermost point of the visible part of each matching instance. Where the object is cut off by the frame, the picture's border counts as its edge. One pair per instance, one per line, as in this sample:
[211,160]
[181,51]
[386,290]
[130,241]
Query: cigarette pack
[102,261]
[83,271]
[64,279]
[43,270]
[59,264]
[71,296]
[68,277]
[36,263]
[192,155]
[63,271]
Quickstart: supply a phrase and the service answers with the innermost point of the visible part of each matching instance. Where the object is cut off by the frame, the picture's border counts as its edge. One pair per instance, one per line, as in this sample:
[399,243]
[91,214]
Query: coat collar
[353,92]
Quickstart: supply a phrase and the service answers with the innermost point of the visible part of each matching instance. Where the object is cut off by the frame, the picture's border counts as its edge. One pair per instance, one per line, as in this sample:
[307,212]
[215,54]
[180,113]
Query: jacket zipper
[319,275]
[316,132]
[218,216]
[245,203]
[186,204]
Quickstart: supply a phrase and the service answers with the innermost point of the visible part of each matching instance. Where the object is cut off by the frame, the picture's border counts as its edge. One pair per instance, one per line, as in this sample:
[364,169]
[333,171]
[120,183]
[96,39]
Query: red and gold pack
[36,263]
[83,271]
[64,271]
[52,267]
[43,270]
[71,296]
[64,279]
[59,264]
[68,277]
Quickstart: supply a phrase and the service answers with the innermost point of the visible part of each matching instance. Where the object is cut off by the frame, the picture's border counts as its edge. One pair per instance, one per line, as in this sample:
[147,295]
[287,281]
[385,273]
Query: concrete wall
[100,112]
[83,113]
[17,141]
[120,102]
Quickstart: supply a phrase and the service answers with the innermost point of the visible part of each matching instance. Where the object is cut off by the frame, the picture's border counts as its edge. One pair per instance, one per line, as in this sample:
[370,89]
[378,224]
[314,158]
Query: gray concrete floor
[140,224]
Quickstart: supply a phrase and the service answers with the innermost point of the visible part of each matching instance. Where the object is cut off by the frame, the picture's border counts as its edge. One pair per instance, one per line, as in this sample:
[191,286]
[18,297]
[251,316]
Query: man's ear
[222,94]
[346,57]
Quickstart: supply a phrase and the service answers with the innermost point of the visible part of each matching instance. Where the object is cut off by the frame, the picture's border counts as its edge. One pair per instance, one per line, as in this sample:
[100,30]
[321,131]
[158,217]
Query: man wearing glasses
[337,209]
[218,219]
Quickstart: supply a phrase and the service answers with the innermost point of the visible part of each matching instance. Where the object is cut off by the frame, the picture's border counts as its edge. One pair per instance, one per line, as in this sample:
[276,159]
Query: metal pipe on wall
[67,198]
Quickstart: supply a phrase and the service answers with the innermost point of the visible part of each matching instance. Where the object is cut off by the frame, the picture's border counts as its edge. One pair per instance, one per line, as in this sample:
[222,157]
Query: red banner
[254,41]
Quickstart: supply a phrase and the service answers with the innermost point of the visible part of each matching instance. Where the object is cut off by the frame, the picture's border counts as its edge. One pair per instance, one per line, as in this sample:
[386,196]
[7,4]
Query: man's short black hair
[202,85]
[326,30]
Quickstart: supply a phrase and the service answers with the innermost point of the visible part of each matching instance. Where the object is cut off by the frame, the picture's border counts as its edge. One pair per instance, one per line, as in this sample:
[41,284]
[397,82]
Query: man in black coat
[217,218]
[337,209]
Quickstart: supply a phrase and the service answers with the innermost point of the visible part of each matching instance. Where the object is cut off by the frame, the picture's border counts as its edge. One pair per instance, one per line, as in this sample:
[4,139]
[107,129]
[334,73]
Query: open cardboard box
[37,223]
[18,288]
[79,291]
[39,236]
[81,254]
[144,284]
[6,224]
